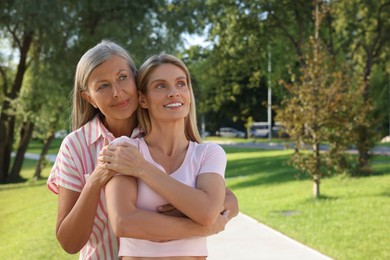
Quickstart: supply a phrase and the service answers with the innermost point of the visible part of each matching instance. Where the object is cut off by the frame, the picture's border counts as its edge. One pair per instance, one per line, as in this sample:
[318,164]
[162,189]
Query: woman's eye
[102,86]
[181,84]
[122,77]
[158,86]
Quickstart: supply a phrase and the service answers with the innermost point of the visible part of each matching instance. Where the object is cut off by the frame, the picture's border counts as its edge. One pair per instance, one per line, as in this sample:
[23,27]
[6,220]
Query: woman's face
[168,95]
[112,89]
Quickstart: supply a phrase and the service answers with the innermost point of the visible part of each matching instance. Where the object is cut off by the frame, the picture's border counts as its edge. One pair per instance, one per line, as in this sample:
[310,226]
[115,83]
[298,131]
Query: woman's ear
[85,95]
[141,100]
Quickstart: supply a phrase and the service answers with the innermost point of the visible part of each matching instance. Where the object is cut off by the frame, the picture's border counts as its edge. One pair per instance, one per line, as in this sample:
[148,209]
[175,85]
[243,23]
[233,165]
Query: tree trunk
[372,51]
[363,146]
[7,124]
[4,128]
[41,161]
[317,174]
[25,137]
[316,188]
[363,142]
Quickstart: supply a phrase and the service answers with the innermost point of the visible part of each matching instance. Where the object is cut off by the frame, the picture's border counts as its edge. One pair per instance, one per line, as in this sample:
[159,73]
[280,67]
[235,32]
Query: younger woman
[104,103]
[170,162]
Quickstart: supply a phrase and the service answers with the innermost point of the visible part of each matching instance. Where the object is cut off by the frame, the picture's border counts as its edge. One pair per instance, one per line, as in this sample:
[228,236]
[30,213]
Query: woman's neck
[167,137]
[120,127]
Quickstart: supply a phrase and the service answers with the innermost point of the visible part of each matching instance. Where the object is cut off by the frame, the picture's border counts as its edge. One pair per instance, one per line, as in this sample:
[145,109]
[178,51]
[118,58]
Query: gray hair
[83,111]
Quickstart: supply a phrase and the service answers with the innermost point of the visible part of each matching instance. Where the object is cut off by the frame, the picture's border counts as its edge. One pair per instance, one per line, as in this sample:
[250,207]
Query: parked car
[278,130]
[60,134]
[205,134]
[229,132]
[259,129]
[386,139]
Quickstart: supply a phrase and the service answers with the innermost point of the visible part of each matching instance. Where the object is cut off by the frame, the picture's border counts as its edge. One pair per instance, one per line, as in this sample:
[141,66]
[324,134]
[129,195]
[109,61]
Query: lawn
[35,146]
[27,219]
[351,221]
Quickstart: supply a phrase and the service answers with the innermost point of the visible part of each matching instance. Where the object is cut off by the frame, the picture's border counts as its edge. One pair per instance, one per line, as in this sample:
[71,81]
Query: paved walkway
[244,238]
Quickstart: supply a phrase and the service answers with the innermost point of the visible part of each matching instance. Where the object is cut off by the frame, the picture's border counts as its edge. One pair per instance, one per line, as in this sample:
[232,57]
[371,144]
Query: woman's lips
[121,104]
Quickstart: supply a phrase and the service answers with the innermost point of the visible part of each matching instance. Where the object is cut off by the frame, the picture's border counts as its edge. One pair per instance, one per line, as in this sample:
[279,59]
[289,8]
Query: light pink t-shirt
[76,160]
[200,158]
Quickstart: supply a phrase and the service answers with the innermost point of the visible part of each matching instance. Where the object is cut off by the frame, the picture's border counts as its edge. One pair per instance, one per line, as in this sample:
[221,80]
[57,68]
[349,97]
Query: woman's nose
[173,92]
[116,89]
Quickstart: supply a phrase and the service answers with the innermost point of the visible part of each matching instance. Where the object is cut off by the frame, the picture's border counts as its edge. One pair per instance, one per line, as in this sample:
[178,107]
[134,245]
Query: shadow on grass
[321,198]
[23,184]
[263,170]
[19,179]
[272,167]
[379,168]
[233,149]
[385,194]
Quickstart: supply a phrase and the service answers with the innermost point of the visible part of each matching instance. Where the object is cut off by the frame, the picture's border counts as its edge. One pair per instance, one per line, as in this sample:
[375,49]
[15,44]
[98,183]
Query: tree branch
[5,81]
[14,35]
[290,37]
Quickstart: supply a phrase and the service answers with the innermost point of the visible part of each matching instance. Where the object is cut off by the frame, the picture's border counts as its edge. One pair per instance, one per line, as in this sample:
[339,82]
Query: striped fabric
[76,160]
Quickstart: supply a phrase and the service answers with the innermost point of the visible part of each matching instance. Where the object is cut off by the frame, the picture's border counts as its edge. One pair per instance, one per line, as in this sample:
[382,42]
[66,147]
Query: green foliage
[233,71]
[323,107]
[361,32]
[49,39]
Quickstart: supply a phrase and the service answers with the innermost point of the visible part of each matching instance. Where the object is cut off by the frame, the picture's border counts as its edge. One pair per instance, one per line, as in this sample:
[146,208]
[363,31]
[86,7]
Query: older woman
[104,103]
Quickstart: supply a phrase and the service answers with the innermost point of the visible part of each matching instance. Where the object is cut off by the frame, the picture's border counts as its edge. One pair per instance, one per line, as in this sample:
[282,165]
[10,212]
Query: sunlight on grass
[28,216]
[350,221]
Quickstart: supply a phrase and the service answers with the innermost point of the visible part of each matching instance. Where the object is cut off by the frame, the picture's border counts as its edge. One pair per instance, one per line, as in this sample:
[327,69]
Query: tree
[240,32]
[21,34]
[233,68]
[361,28]
[54,36]
[323,106]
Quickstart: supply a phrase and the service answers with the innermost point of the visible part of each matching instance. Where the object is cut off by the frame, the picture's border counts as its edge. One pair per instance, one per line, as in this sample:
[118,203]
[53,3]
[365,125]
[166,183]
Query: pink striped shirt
[76,160]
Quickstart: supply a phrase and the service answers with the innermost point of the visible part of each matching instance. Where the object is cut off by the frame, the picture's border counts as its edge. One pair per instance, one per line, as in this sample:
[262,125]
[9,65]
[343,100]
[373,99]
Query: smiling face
[112,89]
[168,95]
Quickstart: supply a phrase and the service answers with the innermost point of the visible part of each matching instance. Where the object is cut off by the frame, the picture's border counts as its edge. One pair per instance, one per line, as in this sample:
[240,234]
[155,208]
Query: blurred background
[253,64]
[278,83]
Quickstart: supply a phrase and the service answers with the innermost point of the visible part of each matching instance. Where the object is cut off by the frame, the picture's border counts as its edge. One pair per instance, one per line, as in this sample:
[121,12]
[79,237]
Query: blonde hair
[82,110]
[144,72]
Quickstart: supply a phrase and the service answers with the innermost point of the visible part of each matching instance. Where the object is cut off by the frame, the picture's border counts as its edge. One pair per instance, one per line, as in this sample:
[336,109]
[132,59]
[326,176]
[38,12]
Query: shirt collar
[95,130]
[137,132]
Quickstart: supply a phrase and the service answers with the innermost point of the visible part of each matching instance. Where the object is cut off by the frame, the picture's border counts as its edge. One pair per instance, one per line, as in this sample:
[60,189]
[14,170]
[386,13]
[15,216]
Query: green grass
[27,219]
[350,221]
[383,144]
[244,140]
[35,146]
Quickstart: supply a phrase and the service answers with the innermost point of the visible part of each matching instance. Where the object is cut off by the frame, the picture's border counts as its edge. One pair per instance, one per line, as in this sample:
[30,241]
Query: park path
[244,238]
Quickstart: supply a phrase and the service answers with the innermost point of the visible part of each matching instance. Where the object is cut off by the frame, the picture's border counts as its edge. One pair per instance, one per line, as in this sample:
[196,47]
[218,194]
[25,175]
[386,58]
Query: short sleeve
[68,170]
[214,160]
